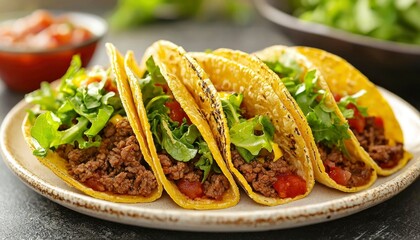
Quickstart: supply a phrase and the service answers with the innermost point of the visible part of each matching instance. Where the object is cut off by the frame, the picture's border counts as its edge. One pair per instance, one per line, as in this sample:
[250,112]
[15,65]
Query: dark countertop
[28,215]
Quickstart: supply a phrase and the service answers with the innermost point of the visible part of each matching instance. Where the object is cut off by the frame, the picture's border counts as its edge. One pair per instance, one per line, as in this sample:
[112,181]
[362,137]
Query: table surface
[28,215]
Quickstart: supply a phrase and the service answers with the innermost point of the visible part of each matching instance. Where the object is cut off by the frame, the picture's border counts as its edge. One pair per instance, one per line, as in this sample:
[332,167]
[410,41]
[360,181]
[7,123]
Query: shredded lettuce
[75,113]
[345,101]
[182,141]
[326,126]
[249,136]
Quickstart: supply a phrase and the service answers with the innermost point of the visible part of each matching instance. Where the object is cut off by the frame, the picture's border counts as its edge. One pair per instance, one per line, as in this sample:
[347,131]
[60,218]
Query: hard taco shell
[344,79]
[278,52]
[259,99]
[58,165]
[167,59]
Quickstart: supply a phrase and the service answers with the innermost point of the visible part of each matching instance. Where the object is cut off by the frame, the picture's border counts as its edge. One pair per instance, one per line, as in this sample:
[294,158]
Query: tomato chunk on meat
[191,189]
[95,184]
[177,114]
[289,185]
[379,122]
[358,122]
[340,176]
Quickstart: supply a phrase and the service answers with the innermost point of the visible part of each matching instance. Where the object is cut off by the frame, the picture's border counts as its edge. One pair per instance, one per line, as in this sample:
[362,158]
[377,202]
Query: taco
[185,153]
[339,161]
[88,133]
[262,144]
[369,115]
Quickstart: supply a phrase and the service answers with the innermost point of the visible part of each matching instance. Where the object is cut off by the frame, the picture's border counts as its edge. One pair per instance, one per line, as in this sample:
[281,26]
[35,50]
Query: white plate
[323,204]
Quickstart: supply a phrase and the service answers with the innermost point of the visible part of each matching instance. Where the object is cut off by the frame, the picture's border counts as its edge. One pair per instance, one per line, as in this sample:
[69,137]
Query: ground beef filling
[115,166]
[373,140]
[214,187]
[262,175]
[356,173]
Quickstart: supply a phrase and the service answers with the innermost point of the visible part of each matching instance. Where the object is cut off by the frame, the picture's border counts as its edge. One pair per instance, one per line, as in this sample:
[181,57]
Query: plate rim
[211,220]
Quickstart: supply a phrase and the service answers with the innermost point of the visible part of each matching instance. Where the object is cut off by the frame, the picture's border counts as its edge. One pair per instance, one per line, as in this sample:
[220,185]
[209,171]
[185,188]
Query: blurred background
[388,52]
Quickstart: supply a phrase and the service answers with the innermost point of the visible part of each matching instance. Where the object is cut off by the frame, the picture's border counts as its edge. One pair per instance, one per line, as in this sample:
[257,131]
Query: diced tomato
[163,86]
[289,185]
[109,85]
[34,23]
[95,184]
[358,122]
[80,35]
[339,175]
[91,79]
[61,33]
[191,189]
[379,122]
[177,114]
[389,164]
[337,97]
[43,30]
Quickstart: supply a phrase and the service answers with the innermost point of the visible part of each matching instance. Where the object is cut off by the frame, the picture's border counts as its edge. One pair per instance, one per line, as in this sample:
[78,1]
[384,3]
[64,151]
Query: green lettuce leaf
[181,141]
[45,97]
[324,122]
[46,135]
[244,135]
[75,113]
[248,136]
[231,107]
[345,101]
[174,147]
[205,162]
[152,82]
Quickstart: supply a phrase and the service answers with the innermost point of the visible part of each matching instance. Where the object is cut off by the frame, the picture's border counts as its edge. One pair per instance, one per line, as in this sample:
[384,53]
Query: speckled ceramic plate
[323,204]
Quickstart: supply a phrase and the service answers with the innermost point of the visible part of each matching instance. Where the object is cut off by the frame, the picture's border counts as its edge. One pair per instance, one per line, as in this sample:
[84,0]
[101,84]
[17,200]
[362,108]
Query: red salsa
[290,185]
[42,30]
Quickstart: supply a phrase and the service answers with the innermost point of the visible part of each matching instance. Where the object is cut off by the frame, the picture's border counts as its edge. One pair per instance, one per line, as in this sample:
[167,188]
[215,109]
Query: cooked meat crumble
[214,187]
[373,140]
[115,166]
[360,172]
[262,175]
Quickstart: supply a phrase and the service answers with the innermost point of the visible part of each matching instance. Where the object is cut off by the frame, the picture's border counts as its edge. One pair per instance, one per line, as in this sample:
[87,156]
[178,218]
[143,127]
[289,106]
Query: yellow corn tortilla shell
[166,60]
[282,53]
[58,165]
[344,79]
[259,99]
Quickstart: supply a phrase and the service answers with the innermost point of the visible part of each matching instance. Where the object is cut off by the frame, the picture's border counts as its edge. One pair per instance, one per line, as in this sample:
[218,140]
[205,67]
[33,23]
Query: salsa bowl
[22,69]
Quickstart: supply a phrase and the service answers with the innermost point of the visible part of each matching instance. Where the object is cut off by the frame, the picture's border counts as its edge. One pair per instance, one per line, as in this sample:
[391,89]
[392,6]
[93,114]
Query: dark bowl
[23,70]
[389,64]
